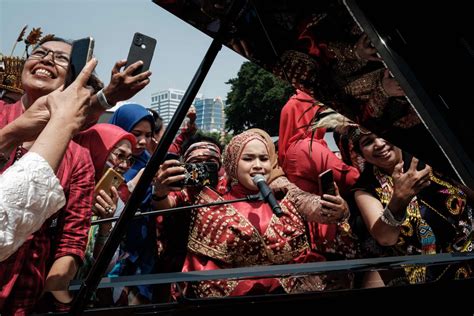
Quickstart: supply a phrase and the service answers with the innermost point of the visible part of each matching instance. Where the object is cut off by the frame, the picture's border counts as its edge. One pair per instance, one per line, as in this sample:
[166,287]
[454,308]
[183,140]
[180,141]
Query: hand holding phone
[81,53]
[200,174]
[111,178]
[196,174]
[326,183]
[407,159]
[142,48]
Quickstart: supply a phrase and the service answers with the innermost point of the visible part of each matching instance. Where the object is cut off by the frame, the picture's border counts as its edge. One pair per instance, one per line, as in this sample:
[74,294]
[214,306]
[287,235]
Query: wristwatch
[103,100]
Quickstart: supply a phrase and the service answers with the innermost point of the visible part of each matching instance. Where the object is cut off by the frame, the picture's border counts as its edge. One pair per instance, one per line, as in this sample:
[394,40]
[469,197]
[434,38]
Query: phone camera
[138,40]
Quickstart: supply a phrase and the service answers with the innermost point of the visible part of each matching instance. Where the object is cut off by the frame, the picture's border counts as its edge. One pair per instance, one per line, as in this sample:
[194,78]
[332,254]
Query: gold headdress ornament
[12,66]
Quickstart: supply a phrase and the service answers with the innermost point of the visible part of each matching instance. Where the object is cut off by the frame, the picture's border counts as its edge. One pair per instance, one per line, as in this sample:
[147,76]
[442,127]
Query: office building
[210,115]
[166,102]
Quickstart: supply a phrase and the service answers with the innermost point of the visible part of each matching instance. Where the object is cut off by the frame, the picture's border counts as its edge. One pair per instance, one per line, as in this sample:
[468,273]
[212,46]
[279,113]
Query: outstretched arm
[123,85]
[30,191]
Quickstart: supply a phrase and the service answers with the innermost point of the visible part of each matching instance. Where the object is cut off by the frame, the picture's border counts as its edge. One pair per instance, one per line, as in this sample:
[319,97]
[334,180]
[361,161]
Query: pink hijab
[100,140]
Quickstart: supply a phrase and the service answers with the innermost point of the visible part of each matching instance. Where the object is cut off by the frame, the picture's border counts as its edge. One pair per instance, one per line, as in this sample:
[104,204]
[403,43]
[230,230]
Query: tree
[255,100]
[222,137]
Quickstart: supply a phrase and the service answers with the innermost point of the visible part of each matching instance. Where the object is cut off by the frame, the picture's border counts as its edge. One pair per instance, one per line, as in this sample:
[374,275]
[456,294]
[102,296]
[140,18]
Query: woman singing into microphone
[245,234]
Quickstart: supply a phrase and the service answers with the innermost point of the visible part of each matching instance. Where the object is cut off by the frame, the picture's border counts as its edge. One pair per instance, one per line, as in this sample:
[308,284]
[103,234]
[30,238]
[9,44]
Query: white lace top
[30,193]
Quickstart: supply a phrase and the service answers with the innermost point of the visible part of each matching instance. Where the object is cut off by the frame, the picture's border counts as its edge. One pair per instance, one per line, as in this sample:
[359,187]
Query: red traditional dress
[23,274]
[245,234]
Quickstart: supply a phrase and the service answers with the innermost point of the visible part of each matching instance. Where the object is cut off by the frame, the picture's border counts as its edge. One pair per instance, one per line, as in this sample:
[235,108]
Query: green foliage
[255,100]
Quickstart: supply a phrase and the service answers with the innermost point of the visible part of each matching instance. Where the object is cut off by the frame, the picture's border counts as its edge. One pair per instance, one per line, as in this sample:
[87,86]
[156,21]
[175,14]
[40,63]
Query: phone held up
[142,48]
[326,183]
[200,174]
[406,157]
[111,178]
[81,53]
[197,173]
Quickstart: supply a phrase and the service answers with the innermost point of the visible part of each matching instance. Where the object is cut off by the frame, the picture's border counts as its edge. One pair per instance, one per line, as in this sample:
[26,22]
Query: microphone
[267,194]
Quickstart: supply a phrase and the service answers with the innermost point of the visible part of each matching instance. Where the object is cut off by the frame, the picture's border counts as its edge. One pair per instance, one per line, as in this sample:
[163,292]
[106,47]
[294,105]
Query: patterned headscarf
[277,171]
[236,146]
[206,150]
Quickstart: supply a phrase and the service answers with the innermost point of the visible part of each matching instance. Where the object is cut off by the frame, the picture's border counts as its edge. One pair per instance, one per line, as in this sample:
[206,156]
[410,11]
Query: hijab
[101,140]
[236,146]
[127,116]
[277,171]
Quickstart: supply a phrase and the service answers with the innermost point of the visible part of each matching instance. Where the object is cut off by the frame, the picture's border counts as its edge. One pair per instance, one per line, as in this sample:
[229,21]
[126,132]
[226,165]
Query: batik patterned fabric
[246,234]
[203,151]
[231,240]
[439,220]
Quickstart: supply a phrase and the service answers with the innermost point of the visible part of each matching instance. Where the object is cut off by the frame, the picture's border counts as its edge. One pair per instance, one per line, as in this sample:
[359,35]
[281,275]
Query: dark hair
[158,120]
[198,137]
[52,39]
[94,80]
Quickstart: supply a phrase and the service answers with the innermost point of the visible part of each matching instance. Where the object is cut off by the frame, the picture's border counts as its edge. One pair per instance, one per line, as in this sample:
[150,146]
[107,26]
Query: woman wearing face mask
[248,233]
[110,147]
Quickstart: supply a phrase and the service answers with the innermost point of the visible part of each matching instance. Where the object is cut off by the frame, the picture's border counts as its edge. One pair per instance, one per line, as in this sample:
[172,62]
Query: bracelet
[157,198]
[388,218]
[103,100]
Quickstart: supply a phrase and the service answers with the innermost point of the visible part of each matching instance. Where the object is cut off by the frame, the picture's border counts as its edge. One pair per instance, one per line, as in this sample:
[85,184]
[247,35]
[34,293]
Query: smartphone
[326,183]
[172,156]
[81,53]
[199,174]
[406,157]
[111,178]
[142,48]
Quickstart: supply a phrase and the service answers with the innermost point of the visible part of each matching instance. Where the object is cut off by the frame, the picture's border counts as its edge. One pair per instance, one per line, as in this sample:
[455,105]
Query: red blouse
[23,274]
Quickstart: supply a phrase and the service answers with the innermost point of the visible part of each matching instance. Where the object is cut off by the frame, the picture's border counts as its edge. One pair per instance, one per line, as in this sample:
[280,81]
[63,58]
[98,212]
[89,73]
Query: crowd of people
[48,196]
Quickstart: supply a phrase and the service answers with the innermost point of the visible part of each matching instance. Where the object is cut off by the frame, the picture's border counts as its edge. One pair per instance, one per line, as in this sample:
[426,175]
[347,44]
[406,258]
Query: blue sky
[179,51]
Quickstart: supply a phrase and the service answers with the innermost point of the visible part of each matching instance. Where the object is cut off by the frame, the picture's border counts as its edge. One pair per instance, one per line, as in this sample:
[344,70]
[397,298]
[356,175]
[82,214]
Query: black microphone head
[259,178]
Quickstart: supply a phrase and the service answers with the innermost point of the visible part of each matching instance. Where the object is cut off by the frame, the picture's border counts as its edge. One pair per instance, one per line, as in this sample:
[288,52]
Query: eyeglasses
[59,58]
[122,158]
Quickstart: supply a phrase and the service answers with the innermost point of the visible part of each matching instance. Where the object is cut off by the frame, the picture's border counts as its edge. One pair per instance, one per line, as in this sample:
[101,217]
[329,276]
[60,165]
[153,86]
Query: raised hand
[71,105]
[123,85]
[106,205]
[334,206]
[35,118]
[408,184]
[170,171]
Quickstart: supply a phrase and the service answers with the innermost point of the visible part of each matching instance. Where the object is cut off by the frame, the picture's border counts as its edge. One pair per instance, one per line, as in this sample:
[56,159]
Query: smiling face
[41,76]
[253,160]
[379,152]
